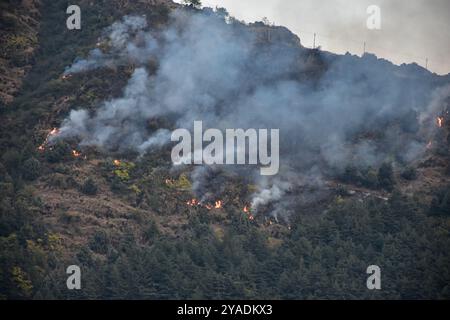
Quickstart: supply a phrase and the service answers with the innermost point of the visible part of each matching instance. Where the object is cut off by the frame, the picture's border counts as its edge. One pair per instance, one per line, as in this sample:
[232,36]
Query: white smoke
[221,73]
[158,139]
[127,42]
[266,196]
[435,107]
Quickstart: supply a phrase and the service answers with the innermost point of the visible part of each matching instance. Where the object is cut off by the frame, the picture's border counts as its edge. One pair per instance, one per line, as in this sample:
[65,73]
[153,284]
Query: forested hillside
[365,182]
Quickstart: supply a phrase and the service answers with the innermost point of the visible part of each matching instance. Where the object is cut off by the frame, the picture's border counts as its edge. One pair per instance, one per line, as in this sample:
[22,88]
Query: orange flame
[193,202]
[247,212]
[76,154]
[117,162]
[53,132]
[440,122]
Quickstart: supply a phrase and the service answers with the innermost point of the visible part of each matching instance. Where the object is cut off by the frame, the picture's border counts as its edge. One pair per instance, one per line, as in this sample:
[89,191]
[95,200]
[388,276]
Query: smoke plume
[332,111]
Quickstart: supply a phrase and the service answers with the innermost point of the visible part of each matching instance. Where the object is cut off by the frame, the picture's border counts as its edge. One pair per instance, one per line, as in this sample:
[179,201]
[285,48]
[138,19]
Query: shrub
[122,170]
[11,159]
[68,217]
[350,175]
[441,202]
[342,191]
[409,173]
[6,189]
[99,242]
[151,231]
[89,187]
[118,186]
[386,176]
[59,152]
[370,178]
[182,183]
[31,169]
[62,181]
[4,176]
[360,177]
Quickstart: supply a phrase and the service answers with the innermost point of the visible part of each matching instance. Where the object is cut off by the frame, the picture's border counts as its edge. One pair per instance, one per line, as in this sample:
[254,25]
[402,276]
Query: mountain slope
[132,222]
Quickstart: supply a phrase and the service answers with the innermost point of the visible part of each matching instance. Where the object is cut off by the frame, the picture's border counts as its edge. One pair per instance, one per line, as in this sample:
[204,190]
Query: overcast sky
[411,30]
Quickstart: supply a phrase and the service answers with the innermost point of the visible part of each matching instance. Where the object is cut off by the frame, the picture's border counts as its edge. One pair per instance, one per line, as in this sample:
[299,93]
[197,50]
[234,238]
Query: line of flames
[54,132]
[217,205]
[194,203]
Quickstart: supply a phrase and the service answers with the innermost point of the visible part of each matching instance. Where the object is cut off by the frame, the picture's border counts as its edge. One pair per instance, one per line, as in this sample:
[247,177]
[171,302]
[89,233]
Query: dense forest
[128,220]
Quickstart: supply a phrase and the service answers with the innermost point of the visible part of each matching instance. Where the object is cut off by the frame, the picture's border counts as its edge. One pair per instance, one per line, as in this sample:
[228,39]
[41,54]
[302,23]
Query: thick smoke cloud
[359,111]
[126,41]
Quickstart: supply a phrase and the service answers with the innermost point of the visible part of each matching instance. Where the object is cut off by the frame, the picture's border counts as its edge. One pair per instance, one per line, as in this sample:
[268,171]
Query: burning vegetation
[217,205]
[246,210]
[66,76]
[76,154]
[47,145]
[146,207]
[54,132]
[210,206]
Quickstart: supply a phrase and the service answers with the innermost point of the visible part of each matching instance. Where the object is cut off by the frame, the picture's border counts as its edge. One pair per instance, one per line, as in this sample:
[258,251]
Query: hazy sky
[411,30]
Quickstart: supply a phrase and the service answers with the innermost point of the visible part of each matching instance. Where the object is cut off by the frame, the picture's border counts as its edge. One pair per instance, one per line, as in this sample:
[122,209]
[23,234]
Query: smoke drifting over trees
[332,111]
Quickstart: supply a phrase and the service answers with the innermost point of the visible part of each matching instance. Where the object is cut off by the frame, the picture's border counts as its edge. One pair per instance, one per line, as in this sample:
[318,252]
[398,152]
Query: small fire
[53,132]
[193,202]
[76,154]
[440,122]
[66,76]
[429,145]
[247,212]
[117,162]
